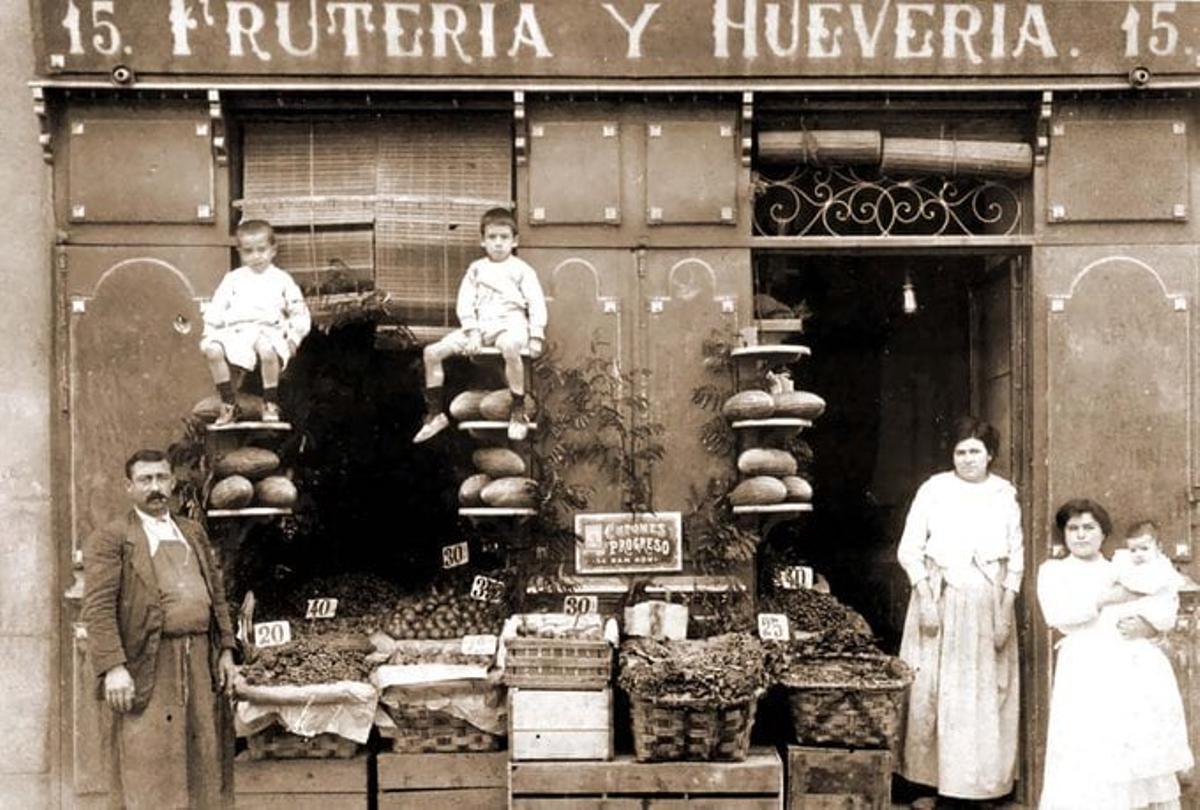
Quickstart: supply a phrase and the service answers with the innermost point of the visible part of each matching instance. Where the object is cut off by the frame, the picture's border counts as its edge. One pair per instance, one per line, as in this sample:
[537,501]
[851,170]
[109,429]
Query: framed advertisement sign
[628,542]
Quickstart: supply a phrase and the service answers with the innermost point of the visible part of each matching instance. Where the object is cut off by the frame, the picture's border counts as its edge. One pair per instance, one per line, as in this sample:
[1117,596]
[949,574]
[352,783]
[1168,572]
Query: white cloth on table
[248,305]
[1117,734]
[963,712]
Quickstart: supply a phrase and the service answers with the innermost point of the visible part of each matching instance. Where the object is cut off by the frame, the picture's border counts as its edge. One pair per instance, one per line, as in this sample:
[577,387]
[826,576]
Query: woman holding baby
[1117,735]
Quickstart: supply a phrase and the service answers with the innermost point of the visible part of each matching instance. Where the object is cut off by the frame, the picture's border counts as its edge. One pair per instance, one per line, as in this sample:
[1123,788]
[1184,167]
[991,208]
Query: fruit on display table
[721,670]
[766,461]
[276,491]
[497,405]
[798,404]
[513,492]
[761,490]
[798,489]
[443,614]
[748,405]
[465,406]
[250,462]
[306,661]
[470,490]
[231,492]
[498,462]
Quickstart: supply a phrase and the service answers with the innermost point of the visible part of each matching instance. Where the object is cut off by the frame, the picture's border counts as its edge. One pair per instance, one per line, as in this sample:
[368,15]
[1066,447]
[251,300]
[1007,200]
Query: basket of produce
[275,742]
[557,651]
[693,700]
[446,718]
[853,701]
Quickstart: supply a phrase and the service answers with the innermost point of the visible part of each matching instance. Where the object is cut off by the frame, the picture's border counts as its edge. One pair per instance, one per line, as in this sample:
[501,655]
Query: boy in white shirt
[500,303]
[257,317]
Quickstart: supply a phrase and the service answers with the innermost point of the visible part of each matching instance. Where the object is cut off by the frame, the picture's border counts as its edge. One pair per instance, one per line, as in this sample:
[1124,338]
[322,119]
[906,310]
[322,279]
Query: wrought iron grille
[841,202]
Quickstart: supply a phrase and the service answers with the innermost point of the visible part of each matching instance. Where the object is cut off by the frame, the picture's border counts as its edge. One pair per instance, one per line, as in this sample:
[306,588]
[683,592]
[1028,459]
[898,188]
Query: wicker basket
[424,731]
[668,729]
[557,663]
[275,743]
[826,712]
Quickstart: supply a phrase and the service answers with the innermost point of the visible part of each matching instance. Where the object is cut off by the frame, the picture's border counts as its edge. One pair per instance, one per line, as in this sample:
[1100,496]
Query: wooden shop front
[683,173]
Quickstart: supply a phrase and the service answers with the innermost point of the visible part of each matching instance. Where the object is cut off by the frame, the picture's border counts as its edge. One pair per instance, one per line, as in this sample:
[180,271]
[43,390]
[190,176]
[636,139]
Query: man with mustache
[160,639]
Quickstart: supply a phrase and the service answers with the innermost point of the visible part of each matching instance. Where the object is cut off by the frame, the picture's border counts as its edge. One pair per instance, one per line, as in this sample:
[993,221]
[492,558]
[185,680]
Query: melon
[250,406]
[497,405]
[465,406]
[510,493]
[231,492]
[250,462]
[799,405]
[748,405]
[763,461]
[277,491]
[797,488]
[761,490]
[498,462]
[468,490]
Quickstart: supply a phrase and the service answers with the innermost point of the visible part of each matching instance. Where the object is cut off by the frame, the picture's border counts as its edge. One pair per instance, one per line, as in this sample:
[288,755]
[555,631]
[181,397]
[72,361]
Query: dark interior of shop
[894,382]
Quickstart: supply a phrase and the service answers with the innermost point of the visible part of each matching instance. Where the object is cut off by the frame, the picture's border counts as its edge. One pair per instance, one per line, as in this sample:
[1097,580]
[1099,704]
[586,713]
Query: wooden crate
[299,784]
[841,778]
[755,784]
[442,781]
[560,724]
[558,663]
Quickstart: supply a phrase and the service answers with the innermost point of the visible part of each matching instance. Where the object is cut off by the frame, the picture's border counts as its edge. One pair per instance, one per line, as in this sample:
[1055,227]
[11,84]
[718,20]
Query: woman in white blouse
[1117,733]
[963,552]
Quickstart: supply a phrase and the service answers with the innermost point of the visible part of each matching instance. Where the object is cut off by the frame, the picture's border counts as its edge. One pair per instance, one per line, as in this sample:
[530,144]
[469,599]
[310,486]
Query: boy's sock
[518,402]
[225,389]
[271,395]
[434,403]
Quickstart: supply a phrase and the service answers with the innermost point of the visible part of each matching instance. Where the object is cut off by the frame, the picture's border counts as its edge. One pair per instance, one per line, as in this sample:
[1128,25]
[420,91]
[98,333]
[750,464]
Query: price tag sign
[272,634]
[794,577]
[486,589]
[455,555]
[773,627]
[479,645]
[580,605]
[321,609]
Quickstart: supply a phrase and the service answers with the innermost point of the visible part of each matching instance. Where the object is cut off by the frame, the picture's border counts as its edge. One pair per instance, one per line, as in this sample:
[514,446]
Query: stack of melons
[244,476]
[500,481]
[491,406]
[769,477]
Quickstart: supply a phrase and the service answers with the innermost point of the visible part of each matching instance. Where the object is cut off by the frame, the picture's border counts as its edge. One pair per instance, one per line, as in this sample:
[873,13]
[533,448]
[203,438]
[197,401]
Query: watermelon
[764,461]
[510,493]
[250,406]
[277,491]
[497,405]
[761,490]
[469,490]
[797,488]
[232,492]
[465,406]
[251,462]
[748,405]
[799,405]
[498,462]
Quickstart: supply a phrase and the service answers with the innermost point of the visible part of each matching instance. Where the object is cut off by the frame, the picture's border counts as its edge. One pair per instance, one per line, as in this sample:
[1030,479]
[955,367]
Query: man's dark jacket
[122,609]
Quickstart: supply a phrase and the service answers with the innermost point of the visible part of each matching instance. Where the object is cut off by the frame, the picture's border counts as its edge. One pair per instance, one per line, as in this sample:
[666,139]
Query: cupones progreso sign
[627,542]
[619,39]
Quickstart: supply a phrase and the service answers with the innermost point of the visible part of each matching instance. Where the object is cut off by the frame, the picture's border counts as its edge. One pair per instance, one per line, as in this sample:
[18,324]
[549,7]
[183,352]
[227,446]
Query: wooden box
[443,781]
[300,784]
[755,784]
[826,778]
[560,724]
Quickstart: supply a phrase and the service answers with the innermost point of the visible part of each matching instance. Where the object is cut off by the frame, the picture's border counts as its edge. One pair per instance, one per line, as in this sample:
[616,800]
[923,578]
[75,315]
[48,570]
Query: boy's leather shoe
[270,412]
[433,426]
[227,414]
[518,425]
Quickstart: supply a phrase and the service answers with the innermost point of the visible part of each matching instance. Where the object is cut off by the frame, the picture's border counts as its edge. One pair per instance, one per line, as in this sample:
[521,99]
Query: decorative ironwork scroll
[840,202]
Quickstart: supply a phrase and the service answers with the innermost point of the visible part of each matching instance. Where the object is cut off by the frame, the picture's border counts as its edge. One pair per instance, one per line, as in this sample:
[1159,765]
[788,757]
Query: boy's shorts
[489,333]
[238,344]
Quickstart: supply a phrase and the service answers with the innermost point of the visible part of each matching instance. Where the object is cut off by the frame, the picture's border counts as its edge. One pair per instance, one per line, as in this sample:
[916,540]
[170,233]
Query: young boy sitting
[257,317]
[500,303]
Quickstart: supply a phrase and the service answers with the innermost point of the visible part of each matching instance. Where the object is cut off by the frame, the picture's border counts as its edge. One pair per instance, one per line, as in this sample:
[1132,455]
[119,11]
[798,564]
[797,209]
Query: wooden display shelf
[820,778]
[773,509]
[492,351]
[484,424]
[249,511]
[300,784]
[774,422]
[772,350]
[495,512]
[755,784]
[251,427]
[443,781]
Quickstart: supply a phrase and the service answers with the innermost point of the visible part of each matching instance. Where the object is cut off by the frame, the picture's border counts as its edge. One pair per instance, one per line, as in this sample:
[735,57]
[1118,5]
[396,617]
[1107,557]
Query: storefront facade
[675,166]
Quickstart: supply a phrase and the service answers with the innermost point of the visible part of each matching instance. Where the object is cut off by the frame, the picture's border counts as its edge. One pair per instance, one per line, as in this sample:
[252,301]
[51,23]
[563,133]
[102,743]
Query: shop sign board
[628,542]
[618,39]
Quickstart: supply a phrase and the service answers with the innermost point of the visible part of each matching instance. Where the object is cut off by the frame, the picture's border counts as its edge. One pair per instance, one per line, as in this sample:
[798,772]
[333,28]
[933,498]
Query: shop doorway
[894,382]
